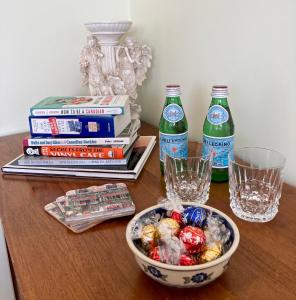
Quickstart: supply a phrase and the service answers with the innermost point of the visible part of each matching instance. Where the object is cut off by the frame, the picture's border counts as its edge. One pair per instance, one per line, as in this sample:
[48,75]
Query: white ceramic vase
[108,35]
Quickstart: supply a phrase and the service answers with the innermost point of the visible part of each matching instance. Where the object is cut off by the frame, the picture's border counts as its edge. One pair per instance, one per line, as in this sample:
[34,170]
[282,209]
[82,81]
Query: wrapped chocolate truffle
[188,260]
[211,253]
[176,215]
[168,251]
[149,236]
[168,227]
[193,238]
[195,216]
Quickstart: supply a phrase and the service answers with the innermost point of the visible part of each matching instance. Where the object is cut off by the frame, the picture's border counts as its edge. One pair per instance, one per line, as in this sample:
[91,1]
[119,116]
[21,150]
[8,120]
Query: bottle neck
[175,100]
[219,101]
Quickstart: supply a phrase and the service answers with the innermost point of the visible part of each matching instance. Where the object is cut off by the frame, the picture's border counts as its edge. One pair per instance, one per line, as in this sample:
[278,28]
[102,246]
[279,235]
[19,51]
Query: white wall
[248,45]
[39,52]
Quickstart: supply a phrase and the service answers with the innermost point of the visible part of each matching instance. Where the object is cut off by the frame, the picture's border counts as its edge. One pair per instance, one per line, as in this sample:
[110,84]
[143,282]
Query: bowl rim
[207,265]
[126,22]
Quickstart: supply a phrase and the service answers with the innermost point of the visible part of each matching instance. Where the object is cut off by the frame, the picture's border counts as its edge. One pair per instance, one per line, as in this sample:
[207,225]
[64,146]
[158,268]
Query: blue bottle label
[217,115]
[221,147]
[173,113]
[175,145]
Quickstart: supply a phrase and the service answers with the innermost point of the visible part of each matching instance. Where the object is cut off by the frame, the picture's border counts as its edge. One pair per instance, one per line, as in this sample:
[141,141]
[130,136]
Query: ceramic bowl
[184,276]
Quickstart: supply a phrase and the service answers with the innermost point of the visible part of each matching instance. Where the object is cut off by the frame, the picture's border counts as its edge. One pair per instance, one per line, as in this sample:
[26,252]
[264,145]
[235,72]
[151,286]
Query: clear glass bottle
[218,133]
[173,127]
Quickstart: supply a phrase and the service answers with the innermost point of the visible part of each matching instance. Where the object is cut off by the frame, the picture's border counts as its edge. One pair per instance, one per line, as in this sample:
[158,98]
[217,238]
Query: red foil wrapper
[188,260]
[160,254]
[154,254]
[177,216]
[193,238]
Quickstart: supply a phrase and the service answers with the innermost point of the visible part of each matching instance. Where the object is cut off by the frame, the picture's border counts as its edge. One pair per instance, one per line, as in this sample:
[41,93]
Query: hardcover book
[107,151]
[79,126]
[81,105]
[26,160]
[139,156]
[75,151]
[125,137]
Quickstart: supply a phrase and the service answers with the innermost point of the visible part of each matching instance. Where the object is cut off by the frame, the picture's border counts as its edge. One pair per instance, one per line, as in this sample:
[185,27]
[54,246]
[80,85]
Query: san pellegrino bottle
[173,127]
[218,133]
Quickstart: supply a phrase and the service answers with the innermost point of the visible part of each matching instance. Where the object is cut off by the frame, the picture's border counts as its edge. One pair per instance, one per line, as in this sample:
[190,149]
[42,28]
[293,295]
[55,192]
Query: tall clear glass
[188,179]
[255,183]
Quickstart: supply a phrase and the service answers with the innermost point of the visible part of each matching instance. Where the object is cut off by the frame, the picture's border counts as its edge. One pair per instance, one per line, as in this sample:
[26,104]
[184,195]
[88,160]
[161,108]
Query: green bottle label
[175,145]
[220,147]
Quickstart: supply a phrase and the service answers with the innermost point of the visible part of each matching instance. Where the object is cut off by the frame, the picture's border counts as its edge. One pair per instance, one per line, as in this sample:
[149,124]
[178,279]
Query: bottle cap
[173,90]
[219,91]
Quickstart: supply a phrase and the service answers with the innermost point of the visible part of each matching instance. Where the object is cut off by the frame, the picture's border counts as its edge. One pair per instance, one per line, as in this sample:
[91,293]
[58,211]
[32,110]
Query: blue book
[79,126]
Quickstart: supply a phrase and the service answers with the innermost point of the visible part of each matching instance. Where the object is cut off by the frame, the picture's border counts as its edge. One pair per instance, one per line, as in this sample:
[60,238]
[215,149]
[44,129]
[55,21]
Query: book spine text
[75,152]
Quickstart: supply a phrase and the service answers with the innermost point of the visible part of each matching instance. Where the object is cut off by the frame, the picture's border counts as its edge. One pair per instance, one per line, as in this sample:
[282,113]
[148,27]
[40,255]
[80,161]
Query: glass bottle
[173,127]
[218,133]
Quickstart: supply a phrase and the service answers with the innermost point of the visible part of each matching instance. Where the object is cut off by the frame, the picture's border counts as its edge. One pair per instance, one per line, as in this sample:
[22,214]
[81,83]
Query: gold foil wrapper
[149,236]
[211,253]
[168,227]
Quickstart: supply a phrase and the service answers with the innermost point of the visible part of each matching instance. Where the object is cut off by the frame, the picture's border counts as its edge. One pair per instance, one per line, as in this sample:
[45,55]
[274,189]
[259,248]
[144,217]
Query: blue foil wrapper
[195,216]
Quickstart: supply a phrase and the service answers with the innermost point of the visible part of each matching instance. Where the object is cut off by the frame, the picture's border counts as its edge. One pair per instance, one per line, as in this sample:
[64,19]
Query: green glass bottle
[218,133]
[173,127]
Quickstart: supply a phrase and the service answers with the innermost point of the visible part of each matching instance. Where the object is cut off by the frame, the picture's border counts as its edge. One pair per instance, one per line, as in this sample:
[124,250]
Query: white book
[81,105]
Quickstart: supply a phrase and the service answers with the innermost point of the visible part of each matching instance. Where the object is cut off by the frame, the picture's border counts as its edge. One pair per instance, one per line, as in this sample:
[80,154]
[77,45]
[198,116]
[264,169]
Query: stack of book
[83,136]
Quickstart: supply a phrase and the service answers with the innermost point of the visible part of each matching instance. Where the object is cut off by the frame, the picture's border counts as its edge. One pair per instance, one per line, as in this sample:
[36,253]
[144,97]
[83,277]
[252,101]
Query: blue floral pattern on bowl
[155,272]
[198,278]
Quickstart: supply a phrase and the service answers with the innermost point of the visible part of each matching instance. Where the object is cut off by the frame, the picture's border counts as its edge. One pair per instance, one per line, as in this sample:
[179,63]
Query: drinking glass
[188,179]
[255,183]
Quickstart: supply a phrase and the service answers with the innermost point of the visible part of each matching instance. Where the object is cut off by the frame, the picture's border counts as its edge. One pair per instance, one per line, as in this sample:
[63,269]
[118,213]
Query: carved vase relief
[111,67]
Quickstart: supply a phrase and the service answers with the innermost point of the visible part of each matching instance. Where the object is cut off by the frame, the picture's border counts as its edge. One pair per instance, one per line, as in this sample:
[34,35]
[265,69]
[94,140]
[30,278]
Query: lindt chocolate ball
[193,238]
[195,216]
[149,236]
[211,252]
[176,215]
[154,254]
[167,228]
[188,260]
[160,254]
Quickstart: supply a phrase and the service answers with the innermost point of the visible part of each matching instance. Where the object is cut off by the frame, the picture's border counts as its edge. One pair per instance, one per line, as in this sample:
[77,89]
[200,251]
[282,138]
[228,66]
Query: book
[79,126]
[75,151]
[125,137]
[81,105]
[67,161]
[141,151]
[107,151]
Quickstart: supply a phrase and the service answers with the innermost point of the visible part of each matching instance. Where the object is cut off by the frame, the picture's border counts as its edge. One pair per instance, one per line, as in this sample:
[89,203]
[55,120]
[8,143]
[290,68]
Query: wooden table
[50,262]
